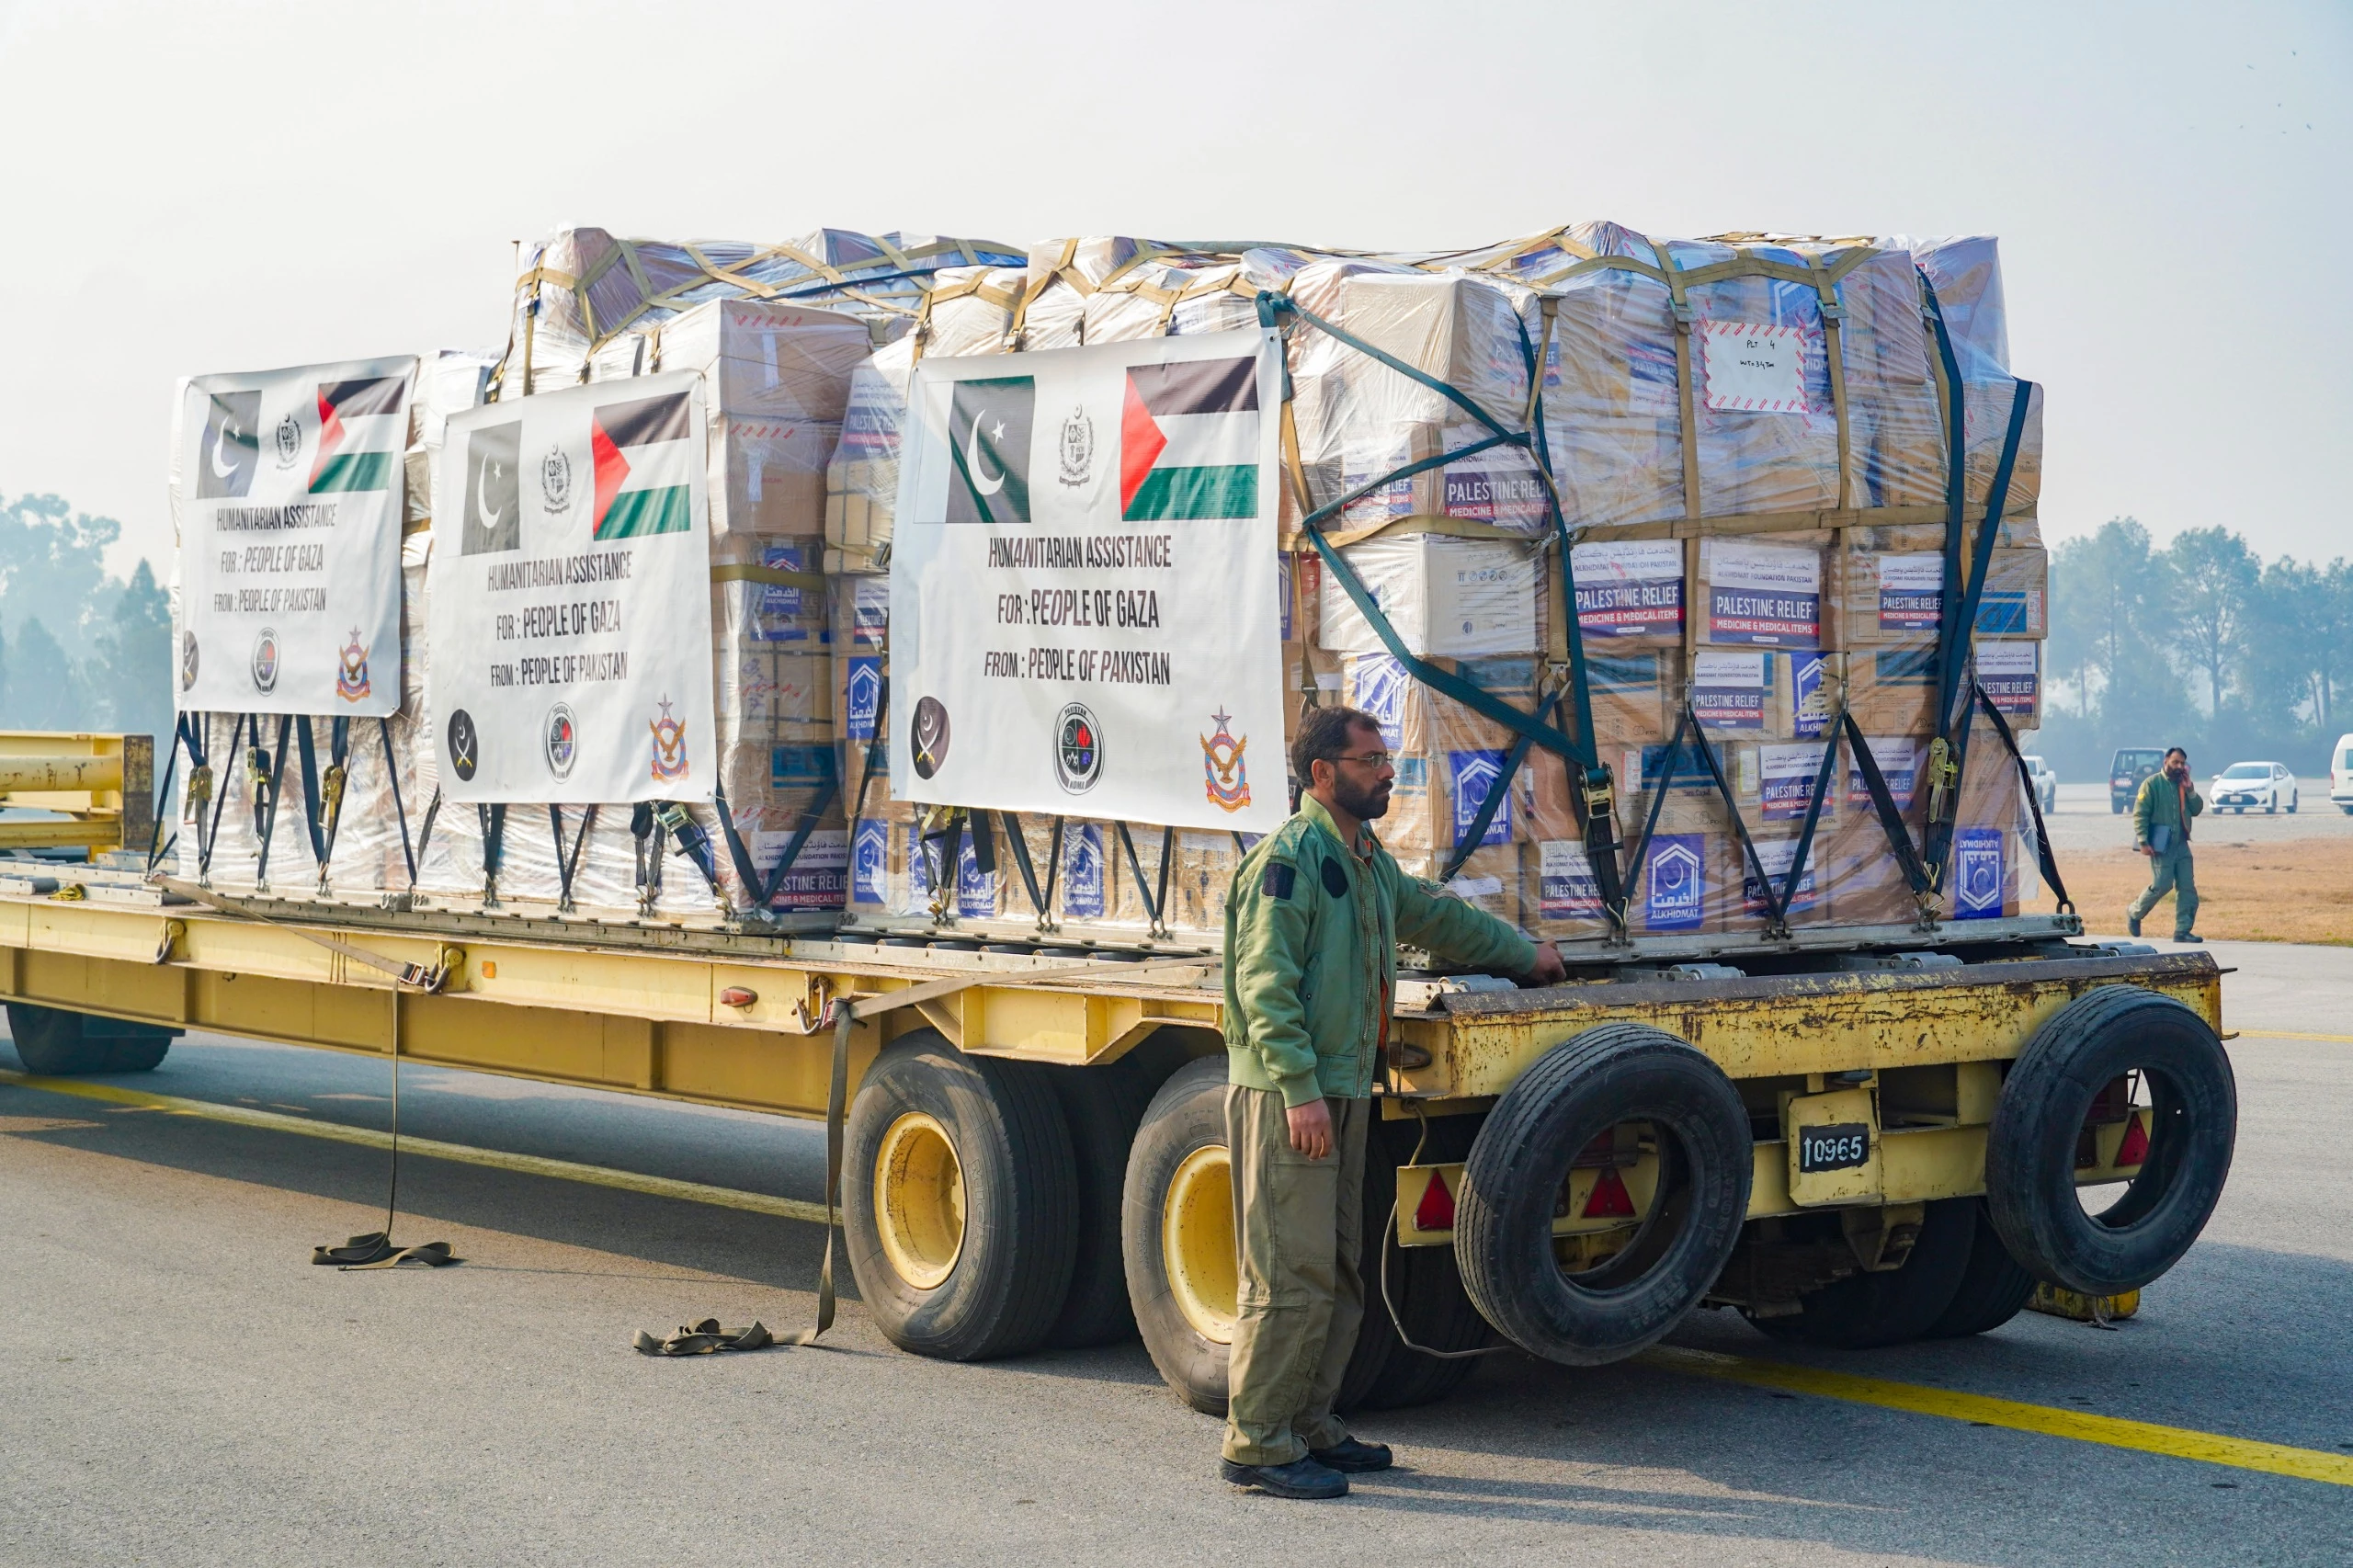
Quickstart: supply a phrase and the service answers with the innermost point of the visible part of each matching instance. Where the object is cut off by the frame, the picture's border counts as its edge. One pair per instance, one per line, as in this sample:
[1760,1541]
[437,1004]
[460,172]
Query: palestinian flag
[1189,441]
[362,427]
[644,466]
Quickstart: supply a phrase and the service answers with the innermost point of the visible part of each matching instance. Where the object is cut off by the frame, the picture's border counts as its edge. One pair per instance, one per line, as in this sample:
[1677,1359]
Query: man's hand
[2149,850]
[1310,1129]
[1550,970]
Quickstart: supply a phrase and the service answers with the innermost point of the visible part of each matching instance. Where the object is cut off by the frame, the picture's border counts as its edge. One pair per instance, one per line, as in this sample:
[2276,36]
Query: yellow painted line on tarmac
[495,1159]
[2286,1034]
[2082,1425]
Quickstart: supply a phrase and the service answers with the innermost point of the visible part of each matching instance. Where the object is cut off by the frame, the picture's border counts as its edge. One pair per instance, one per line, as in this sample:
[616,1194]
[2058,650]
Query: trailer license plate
[1834,1146]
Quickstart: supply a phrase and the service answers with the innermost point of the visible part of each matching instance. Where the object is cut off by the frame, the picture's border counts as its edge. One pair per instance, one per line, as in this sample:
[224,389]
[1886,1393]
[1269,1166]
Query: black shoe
[2190,938]
[1302,1478]
[2132,922]
[1352,1456]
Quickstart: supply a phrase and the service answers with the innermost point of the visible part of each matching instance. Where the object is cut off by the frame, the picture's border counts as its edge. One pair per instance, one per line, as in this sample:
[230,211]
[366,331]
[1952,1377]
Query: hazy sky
[193,187]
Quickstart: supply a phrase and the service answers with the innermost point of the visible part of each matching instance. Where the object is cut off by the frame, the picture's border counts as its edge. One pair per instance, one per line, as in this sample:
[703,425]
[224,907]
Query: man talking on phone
[2161,816]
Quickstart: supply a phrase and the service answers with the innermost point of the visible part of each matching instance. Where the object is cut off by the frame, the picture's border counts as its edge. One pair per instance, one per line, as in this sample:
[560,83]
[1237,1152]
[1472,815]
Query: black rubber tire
[1864,1312]
[1994,1289]
[1102,1108]
[1186,1115]
[1383,1372]
[2030,1152]
[1013,1271]
[52,1043]
[1502,1236]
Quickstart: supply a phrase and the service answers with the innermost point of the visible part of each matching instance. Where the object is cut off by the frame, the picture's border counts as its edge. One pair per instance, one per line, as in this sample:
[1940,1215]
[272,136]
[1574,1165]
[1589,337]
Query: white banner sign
[571,616]
[289,503]
[1084,583]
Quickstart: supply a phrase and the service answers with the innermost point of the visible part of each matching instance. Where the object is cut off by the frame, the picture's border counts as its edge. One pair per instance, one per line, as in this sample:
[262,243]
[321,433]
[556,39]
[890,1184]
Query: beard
[1365,805]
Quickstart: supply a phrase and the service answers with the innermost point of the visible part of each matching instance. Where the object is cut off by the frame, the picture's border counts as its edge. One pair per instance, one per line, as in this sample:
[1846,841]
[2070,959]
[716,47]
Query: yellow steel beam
[82,775]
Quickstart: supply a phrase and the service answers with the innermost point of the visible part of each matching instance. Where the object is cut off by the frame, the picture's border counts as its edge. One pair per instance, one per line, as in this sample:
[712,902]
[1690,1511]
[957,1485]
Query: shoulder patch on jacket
[1335,881]
[1279,880]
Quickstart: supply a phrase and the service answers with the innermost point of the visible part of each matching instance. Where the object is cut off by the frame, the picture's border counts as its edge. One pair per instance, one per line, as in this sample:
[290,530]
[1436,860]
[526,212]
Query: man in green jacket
[1312,927]
[2161,816]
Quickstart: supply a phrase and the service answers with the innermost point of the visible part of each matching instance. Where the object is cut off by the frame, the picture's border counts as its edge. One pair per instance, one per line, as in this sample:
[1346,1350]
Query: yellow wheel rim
[919,1200]
[1197,1243]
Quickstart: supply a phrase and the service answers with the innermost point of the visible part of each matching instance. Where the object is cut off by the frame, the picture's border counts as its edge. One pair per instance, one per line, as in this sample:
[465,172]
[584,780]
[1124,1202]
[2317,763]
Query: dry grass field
[2296,891]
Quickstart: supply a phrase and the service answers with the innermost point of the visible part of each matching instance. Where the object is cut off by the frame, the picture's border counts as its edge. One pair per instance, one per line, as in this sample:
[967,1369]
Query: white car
[2245,784]
[2341,775]
[2046,783]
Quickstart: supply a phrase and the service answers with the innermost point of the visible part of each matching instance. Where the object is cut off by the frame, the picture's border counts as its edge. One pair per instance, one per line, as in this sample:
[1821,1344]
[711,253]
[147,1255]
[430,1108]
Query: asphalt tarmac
[2083,820]
[184,1388]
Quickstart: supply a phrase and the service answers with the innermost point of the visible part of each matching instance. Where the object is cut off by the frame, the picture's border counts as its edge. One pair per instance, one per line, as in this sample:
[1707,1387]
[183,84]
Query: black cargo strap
[1154,903]
[425,829]
[693,844]
[1020,849]
[1684,723]
[645,828]
[1960,621]
[567,863]
[156,844]
[1891,819]
[393,777]
[1054,861]
[266,782]
[798,842]
[208,841]
[747,875]
[1713,757]
[1813,807]
[492,819]
[376,1249]
[2048,859]
[323,794]
[704,1338]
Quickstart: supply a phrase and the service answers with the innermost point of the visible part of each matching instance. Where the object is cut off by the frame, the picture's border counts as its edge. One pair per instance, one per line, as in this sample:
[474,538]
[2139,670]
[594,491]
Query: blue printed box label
[975,889]
[1809,703]
[1628,587]
[870,862]
[862,696]
[1776,856]
[1764,594]
[1474,775]
[1786,777]
[1083,868]
[1899,767]
[1674,883]
[1977,873]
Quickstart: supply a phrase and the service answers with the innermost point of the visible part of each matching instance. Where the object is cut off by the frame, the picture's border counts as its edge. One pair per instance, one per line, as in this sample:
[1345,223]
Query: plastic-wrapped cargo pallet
[1785,562]
[778,374]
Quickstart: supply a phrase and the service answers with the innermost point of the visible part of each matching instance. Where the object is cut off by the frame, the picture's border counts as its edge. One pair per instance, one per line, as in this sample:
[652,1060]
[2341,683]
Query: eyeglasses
[1375,759]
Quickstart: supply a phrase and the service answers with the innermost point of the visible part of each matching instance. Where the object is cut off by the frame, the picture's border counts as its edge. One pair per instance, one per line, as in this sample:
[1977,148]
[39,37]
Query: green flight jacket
[2159,804]
[1310,945]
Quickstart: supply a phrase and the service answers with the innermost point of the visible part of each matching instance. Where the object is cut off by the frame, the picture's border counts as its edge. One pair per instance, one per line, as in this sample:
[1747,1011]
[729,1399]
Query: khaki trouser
[2172,872]
[1299,1223]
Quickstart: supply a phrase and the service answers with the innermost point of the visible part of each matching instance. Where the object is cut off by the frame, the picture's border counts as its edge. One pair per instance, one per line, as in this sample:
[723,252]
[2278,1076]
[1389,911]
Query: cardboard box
[2011,673]
[1630,593]
[1559,897]
[1892,691]
[1898,595]
[1450,598]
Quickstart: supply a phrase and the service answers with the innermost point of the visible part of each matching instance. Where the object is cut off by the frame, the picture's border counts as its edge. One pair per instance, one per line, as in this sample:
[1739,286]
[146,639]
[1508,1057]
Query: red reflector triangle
[2135,1150]
[1436,1211]
[1611,1201]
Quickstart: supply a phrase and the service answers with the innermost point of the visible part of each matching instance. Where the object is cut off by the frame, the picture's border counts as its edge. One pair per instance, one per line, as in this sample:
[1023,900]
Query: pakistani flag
[644,466]
[1189,441]
[362,427]
[988,428]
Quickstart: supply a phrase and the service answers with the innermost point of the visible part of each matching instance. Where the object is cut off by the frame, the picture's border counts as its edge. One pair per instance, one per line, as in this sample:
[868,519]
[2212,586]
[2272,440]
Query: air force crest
[669,746]
[351,681]
[1222,771]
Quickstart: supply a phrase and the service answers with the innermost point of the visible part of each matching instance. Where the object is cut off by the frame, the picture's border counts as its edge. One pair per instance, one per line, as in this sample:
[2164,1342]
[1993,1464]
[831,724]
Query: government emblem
[1223,773]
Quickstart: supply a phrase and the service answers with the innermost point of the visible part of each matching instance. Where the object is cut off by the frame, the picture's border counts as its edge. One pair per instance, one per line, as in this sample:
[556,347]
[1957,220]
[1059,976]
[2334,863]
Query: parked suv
[2341,775]
[2133,765]
[2046,783]
[2245,784]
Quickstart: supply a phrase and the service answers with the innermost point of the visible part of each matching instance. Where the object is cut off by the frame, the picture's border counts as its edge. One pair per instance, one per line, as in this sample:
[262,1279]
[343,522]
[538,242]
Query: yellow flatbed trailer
[1853,1142]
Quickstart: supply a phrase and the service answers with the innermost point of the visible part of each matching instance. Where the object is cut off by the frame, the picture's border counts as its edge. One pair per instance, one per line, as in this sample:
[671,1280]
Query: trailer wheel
[1176,1234]
[2111,1034]
[1519,1164]
[53,1042]
[1864,1312]
[958,1201]
[1102,1107]
[1384,1373]
[1994,1289]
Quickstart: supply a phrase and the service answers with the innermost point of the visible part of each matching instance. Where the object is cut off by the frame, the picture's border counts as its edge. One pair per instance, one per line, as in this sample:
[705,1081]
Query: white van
[2340,775]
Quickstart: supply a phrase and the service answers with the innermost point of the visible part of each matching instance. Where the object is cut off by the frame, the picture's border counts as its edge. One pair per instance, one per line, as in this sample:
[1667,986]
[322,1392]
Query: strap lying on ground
[847,1011]
[375,1250]
[706,1337]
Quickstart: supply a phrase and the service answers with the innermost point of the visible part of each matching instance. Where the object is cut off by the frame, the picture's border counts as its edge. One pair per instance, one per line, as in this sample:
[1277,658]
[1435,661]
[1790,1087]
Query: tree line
[2201,644]
[80,649]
